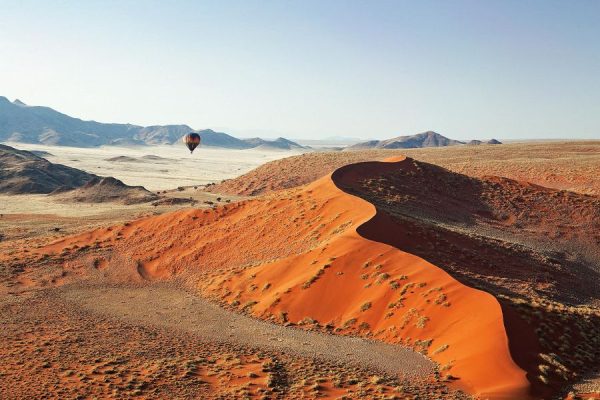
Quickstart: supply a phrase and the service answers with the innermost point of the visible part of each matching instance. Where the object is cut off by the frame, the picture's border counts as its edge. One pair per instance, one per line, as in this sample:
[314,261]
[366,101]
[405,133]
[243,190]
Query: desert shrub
[283,316]
[405,288]
[440,349]
[349,323]
[249,305]
[308,321]
[364,326]
[544,369]
[441,298]
[383,276]
[421,322]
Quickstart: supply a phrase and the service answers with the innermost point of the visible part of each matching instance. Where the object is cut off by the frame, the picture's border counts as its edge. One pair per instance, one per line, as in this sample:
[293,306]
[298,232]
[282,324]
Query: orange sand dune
[305,263]
[368,288]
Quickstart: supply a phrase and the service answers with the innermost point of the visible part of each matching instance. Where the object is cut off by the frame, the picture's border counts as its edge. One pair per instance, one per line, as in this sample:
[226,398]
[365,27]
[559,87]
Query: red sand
[467,324]
[289,238]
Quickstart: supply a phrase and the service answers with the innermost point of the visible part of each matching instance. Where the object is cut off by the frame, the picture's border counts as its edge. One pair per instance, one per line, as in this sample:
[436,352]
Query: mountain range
[36,124]
[425,139]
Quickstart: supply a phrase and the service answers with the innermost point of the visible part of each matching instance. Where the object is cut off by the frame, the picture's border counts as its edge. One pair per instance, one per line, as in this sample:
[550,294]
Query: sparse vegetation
[441,349]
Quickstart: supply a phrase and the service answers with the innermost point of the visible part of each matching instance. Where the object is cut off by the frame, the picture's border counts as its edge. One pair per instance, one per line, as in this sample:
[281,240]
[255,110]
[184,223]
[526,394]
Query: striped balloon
[191,140]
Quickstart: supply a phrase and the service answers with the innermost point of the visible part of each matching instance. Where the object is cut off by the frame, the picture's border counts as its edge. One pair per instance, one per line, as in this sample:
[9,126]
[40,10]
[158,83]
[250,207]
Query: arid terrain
[159,167]
[460,272]
[561,165]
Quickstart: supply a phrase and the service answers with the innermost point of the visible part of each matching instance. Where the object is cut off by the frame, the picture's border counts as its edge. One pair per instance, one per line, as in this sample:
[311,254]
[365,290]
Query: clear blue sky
[304,69]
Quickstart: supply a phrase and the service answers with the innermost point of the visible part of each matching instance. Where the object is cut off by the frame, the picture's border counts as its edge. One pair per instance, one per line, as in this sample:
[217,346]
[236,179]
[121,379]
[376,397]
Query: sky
[506,69]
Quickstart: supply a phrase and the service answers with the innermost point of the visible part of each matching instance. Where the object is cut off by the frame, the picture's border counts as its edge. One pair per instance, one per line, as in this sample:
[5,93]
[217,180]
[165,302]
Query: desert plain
[461,272]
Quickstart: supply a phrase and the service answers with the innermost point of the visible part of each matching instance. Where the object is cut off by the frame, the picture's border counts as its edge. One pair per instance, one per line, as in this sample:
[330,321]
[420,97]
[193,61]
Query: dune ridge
[311,257]
[569,166]
[379,288]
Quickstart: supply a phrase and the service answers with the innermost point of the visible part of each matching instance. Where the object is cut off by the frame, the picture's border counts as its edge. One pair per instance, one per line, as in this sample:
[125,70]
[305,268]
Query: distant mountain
[425,139]
[478,142]
[22,123]
[220,139]
[23,172]
[279,143]
[107,189]
[33,124]
[161,134]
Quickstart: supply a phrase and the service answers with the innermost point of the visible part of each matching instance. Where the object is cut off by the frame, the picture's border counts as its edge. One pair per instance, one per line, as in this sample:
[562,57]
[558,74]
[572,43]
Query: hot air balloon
[191,140]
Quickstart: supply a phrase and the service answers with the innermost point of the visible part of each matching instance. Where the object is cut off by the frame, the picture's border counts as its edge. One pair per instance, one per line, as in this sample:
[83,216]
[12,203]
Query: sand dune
[561,165]
[364,287]
[385,251]
[319,250]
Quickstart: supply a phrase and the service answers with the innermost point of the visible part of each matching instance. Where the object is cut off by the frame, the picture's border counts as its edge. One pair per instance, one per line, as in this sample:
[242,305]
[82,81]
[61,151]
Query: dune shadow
[451,221]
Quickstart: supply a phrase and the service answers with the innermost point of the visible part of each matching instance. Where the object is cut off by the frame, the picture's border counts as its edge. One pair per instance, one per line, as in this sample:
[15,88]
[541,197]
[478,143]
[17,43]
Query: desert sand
[159,167]
[376,279]
[570,166]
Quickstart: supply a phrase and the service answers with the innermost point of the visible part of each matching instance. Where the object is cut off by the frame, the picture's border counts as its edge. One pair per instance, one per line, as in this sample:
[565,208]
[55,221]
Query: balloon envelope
[191,140]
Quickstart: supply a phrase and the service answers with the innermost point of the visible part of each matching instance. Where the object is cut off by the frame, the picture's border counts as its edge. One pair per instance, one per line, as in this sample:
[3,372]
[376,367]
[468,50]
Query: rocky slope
[108,189]
[24,172]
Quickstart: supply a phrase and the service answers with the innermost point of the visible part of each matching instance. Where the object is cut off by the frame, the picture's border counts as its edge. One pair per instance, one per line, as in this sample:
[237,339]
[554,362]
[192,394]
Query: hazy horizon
[311,70]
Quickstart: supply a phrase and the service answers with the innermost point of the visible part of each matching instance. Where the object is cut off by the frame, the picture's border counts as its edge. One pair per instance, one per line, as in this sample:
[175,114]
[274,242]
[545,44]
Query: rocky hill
[24,172]
[108,189]
[479,142]
[425,139]
[279,143]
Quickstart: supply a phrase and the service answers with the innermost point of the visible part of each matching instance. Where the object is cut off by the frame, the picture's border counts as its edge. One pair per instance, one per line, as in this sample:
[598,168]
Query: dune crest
[312,257]
[355,285]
